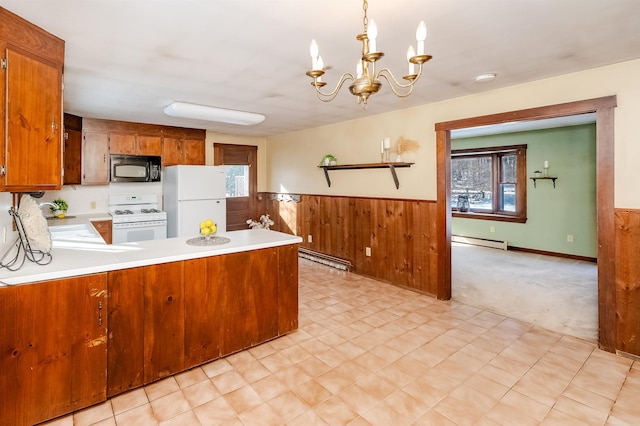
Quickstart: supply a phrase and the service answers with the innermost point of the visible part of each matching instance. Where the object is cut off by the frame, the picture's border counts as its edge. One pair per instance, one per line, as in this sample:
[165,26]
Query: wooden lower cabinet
[105,229]
[171,317]
[146,325]
[70,343]
[54,348]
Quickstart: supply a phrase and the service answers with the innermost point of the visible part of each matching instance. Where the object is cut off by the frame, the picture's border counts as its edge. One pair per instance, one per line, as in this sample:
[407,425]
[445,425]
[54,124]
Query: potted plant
[60,208]
[329,160]
[537,173]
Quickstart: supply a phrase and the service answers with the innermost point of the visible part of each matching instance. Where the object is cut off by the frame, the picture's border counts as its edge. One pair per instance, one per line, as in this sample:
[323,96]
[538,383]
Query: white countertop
[84,254]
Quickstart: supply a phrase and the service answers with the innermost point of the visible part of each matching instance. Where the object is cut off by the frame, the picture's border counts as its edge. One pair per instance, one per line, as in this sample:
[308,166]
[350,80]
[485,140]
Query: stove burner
[123,211]
[150,211]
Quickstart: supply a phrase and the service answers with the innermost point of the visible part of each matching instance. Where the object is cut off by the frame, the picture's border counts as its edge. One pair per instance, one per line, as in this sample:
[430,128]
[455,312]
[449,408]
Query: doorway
[604,109]
[242,181]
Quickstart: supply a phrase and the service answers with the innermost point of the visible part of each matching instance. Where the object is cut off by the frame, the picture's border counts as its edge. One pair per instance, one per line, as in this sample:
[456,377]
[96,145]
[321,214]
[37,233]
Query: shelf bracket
[326,174]
[395,176]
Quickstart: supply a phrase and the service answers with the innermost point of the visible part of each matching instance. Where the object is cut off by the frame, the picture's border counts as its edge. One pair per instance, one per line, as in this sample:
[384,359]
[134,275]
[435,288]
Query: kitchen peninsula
[102,319]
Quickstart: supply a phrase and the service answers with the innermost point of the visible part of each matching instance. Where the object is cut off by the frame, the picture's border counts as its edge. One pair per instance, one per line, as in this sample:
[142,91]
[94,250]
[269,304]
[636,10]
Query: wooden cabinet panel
[194,152]
[72,157]
[34,123]
[95,158]
[133,144]
[105,228]
[163,320]
[287,289]
[122,143]
[146,325]
[171,151]
[149,145]
[169,317]
[182,151]
[125,357]
[54,349]
[202,278]
[249,296]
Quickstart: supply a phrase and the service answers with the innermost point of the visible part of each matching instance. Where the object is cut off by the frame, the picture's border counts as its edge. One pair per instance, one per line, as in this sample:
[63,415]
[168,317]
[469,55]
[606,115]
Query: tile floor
[368,353]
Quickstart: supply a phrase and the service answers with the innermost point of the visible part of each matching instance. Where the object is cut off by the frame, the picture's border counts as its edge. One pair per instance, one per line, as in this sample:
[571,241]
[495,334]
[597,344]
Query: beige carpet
[554,293]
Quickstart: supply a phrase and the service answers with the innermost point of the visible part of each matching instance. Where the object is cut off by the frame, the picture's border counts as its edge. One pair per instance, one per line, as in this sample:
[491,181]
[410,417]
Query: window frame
[496,153]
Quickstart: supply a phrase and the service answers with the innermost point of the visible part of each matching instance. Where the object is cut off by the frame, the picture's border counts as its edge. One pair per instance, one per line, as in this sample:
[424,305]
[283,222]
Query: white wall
[292,158]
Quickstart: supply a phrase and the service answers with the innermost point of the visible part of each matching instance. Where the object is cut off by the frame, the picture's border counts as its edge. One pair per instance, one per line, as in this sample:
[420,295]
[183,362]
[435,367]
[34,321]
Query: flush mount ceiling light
[209,113]
[366,82]
[485,78]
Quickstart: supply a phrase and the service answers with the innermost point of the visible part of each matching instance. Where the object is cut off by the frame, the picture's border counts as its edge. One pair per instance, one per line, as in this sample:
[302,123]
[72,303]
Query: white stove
[136,218]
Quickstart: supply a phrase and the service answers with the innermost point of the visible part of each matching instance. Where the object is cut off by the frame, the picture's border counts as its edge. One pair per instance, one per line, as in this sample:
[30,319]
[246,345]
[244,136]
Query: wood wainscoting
[400,233]
[627,254]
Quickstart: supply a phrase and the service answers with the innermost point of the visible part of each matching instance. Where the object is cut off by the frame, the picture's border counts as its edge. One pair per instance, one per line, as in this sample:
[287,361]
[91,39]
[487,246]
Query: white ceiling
[127,60]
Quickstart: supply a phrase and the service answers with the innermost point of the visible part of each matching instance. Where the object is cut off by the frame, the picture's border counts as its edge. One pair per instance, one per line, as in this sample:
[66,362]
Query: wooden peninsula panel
[249,299]
[202,281]
[54,352]
[125,357]
[170,317]
[627,247]
[163,320]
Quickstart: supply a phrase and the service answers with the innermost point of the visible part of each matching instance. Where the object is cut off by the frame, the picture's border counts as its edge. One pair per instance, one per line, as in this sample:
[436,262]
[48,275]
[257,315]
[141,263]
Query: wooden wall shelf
[391,166]
[534,179]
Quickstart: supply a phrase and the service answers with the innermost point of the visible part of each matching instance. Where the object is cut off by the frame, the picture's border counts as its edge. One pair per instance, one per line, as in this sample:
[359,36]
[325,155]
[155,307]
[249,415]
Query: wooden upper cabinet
[149,145]
[95,158]
[31,144]
[194,152]
[171,151]
[34,123]
[182,151]
[122,143]
[72,157]
[133,144]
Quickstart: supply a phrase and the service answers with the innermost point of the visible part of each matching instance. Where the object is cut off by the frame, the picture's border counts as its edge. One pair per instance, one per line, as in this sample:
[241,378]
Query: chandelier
[366,82]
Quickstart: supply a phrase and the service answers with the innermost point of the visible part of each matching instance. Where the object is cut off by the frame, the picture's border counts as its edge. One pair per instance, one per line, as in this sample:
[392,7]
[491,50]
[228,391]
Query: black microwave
[135,168]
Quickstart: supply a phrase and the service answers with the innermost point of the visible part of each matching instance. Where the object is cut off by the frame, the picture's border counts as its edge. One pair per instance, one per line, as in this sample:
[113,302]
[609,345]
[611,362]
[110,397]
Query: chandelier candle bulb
[421,36]
[411,52]
[314,51]
[372,33]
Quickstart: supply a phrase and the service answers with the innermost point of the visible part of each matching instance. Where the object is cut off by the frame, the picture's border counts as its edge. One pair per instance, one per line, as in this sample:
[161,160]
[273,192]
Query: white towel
[35,224]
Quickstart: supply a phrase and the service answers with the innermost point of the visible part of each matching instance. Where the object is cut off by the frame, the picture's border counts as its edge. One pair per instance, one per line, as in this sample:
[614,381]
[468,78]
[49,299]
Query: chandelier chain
[365,20]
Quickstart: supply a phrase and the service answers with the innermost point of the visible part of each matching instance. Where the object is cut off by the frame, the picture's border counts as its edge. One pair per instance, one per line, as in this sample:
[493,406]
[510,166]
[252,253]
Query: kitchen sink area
[66,231]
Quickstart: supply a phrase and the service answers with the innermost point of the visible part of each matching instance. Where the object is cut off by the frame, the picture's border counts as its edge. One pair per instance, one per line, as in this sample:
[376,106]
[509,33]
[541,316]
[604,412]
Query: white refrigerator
[192,194]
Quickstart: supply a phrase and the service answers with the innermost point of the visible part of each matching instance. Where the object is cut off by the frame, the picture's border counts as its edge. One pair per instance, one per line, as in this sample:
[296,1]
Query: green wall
[552,214]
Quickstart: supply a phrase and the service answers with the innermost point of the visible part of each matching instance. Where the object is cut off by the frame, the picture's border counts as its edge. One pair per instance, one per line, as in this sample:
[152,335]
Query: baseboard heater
[325,259]
[502,245]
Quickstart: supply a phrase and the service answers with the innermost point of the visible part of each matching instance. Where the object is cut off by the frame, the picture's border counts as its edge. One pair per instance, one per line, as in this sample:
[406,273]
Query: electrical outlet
[309,238]
[367,251]
[93,205]
[492,229]
[569,238]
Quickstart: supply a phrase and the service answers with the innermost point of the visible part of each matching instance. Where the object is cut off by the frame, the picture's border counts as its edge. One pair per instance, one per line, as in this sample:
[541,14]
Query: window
[494,181]
[237,181]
